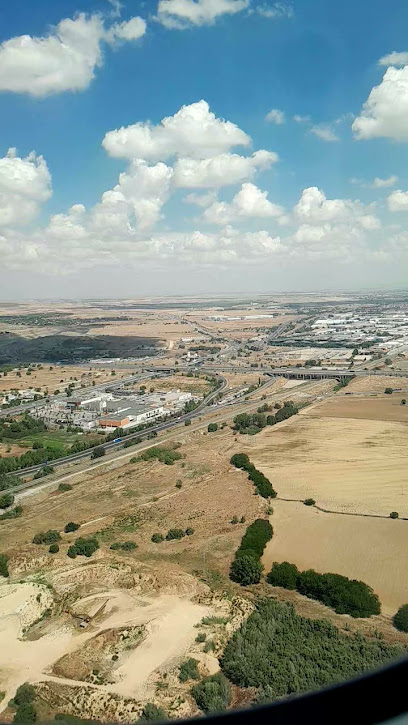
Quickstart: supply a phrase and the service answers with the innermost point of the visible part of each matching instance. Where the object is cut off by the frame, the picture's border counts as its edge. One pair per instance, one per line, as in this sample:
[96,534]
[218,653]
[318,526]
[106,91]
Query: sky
[202,146]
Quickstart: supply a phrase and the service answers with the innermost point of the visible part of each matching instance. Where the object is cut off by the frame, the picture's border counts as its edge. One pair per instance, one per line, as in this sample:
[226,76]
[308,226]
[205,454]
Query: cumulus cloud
[249,202]
[181,14]
[314,208]
[394,58]
[193,131]
[385,112]
[203,200]
[275,116]
[383,183]
[24,185]
[398,201]
[222,170]
[64,60]
[324,132]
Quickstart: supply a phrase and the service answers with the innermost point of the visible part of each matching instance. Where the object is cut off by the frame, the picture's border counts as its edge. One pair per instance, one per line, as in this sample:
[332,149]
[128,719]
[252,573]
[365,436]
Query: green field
[55,439]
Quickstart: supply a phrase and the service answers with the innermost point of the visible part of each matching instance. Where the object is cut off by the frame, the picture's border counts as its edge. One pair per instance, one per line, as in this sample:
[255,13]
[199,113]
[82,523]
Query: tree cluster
[247,567]
[261,483]
[24,699]
[83,547]
[165,455]
[345,596]
[212,694]
[281,653]
[47,537]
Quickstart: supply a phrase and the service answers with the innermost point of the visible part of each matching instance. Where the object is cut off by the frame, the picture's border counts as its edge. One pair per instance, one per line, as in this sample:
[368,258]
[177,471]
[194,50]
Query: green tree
[189,670]
[152,712]
[246,570]
[157,538]
[25,713]
[25,693]
[283,575]
[400,619]
[71,526]
[3,565]
[98,452]
[213,694]
[388,391]
[394,515]
[175,534]
[6,500]
[212,427]
[54,549]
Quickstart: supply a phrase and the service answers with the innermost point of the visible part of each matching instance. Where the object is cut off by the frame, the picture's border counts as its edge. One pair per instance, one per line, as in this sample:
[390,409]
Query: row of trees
[345,596]
[247,567]
[252,423]
[261,483]
[281,653]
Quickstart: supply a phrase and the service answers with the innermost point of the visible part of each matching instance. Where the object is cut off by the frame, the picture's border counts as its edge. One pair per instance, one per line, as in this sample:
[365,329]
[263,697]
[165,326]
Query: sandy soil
[387,407]
[344,464]
[373,550]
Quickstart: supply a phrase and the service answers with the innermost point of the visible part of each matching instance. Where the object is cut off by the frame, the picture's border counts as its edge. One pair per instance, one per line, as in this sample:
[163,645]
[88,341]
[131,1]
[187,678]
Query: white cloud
[203,200]
[249,202]
[24,185]
[222,170]
[192,131]
[275,116]
[385,112]
[65,60]
[398,201]
[314,208]
[394,58]
[301,119]
[324,132]
[275,11]
[383,183]
[181,14]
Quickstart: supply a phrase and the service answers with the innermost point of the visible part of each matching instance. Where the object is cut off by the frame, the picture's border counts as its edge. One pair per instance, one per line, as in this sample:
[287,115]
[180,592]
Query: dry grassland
[181,382]
[375,384]
[372,550]
[387,407]
[57,378]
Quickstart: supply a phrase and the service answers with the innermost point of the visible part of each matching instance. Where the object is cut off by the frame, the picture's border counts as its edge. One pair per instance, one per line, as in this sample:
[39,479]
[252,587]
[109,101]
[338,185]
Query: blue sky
[315,59]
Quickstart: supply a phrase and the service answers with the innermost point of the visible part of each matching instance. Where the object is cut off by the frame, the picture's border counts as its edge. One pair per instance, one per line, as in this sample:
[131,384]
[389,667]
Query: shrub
[234,520]
[164,455]
[175,534]
[246,570]
[403,401]
[189,670]
[388,391]
[157,538]
[189,531]
[187,422]
[3,565]
[71,527]
[201,637]
[283,575]
[64,487]
[242,520]
[72,552]
[25,714]
[98,452]
[309,502]
[54,549]
[255,539]
[179,484]
[47,537]
[25,694]
[152,712]
[283,653]
[212,694]
[6,500]
[86,547]
[400,619]
[240,460]
[124,546]
[212,427]
[394,515]
[12,513]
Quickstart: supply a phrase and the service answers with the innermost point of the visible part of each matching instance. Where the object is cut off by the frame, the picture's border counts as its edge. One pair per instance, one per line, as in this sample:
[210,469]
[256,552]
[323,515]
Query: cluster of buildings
[385,331]
[105,412]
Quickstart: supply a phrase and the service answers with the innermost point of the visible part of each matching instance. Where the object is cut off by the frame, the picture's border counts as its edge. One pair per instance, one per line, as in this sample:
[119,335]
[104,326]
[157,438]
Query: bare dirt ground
[372,550]
[386,407]
[375,384]
[344,464]
[198,386]
[57,378]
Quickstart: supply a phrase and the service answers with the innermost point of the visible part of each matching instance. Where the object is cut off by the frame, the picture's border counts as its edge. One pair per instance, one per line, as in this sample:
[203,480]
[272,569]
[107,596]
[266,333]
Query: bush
[47,537]
[201,637]
[282,653]
[64,487]
[85,547]
[152,712]
[6,500]
[255,539]
[157,538]
[403,401]
[72,552]
[25,694]
[189,531]
[187,422]
[394,515]
[54,549]
[164,455]
[124,546]
[246,570]
[212,427]
[283,575]
[345,596]
[309,502]
[212,694]
[12,513]
[98,452]
[189,670]
[388,391]
[25,714]
[71,527]
[3,565]
[175,534]
[234,520]
[179,484]
[400,619]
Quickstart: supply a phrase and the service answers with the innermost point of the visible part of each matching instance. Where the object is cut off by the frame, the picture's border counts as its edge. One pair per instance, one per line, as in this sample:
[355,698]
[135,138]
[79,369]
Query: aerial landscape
[203,356]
